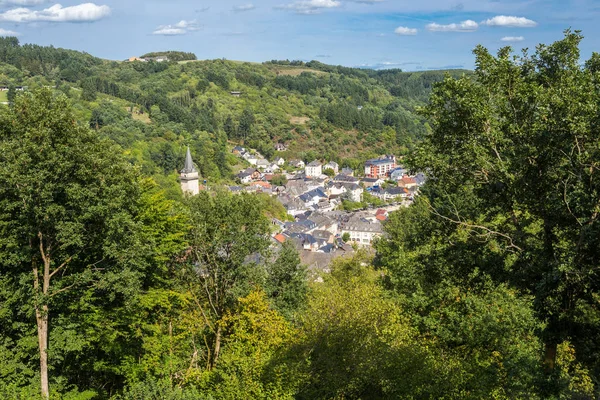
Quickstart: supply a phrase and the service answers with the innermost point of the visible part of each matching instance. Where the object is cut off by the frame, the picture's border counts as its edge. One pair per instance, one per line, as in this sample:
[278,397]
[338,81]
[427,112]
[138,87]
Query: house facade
[313,168]
[362,231]
[380,167]
[279,161]
[297,163]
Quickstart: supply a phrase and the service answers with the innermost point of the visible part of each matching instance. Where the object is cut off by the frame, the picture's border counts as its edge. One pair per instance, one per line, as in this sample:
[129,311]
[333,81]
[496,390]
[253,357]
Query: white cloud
[80,13]
[404,31]
[4,32]
[464,26]
[166,31]
[245,7]
[180,28]
[311,6]
[512,39]
[509,21]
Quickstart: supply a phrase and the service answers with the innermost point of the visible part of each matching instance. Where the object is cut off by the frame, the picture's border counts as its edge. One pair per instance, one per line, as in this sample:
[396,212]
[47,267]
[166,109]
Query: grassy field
[299,120]
[295,71]
[145,118]
[3,96]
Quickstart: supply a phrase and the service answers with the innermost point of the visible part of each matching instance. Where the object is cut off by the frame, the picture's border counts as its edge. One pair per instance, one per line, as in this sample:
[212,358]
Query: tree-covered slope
[153,110]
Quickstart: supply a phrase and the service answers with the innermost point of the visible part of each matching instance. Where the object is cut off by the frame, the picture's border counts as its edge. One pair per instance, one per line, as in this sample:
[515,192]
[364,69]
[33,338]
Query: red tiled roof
[381,211]
[264,185]
[381,217]
[279,237]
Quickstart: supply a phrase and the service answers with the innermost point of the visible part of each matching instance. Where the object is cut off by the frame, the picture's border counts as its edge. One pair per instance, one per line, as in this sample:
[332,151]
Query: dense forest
[113,285]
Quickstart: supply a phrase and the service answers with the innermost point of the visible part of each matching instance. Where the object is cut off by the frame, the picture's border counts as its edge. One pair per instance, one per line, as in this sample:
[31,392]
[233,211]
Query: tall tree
[514,189]
[288,280]
[228,239]
[12,93]
[246,122]
[66,209]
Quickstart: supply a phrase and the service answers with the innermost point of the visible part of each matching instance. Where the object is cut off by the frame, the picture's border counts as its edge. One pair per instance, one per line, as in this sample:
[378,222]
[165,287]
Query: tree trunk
[217,346]
[41,317]
[550,356]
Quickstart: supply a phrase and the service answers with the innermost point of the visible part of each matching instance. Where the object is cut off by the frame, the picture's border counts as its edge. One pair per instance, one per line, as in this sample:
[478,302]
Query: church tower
[189,175]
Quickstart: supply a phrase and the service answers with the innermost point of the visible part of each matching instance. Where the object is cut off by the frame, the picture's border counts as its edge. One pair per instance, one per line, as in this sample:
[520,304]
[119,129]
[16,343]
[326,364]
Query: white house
[313,169]
[332,165]
[297,163]
[347,171]
[354,192]
[280,147]
[271,169]
[279,161]
[312,197]
[362,231]
[251,158]
[337,189]
[262,163]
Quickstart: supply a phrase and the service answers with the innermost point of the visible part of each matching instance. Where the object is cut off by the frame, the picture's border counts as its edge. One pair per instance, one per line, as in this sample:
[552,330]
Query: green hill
[153,110]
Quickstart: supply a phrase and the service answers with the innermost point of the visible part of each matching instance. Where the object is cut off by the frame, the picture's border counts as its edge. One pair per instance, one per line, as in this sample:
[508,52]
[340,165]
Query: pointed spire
[189,164]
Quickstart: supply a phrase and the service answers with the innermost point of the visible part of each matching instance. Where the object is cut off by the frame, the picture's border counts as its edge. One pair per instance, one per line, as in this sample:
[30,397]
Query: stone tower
[189,176]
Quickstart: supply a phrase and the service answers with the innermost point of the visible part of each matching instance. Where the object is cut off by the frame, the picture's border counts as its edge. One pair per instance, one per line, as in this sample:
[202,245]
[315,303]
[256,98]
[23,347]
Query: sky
[408,34]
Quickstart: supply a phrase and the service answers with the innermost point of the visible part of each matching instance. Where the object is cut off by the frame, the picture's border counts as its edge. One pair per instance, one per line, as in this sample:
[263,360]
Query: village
[327,204]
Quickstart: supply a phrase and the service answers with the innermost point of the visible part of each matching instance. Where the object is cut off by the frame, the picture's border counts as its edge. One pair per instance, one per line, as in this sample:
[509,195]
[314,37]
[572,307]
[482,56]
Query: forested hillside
[154,109]
[113,287]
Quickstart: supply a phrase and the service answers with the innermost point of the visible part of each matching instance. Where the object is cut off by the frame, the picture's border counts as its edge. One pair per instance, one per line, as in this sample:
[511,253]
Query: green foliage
[67,220]
[159,390]
[279,180]
[172,55]
[329,172]
[271,207]
[356,343]
[511,204]
[11,94]
[88,90]
[256,334]
[480,290]
[288,281]
[107,113]
[190,103]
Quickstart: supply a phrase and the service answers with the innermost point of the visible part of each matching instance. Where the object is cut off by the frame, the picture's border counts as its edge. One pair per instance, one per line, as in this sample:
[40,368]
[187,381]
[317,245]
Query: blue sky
[407,34]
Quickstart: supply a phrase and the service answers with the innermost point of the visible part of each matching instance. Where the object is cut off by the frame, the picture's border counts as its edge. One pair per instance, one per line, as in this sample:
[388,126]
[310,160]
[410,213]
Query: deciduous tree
[66,209]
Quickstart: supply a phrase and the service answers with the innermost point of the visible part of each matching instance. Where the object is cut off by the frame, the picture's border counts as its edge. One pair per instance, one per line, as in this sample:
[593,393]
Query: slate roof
[308,196]
[396,191]
[188,167]
[345,178]
[380,160]
[371,180]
